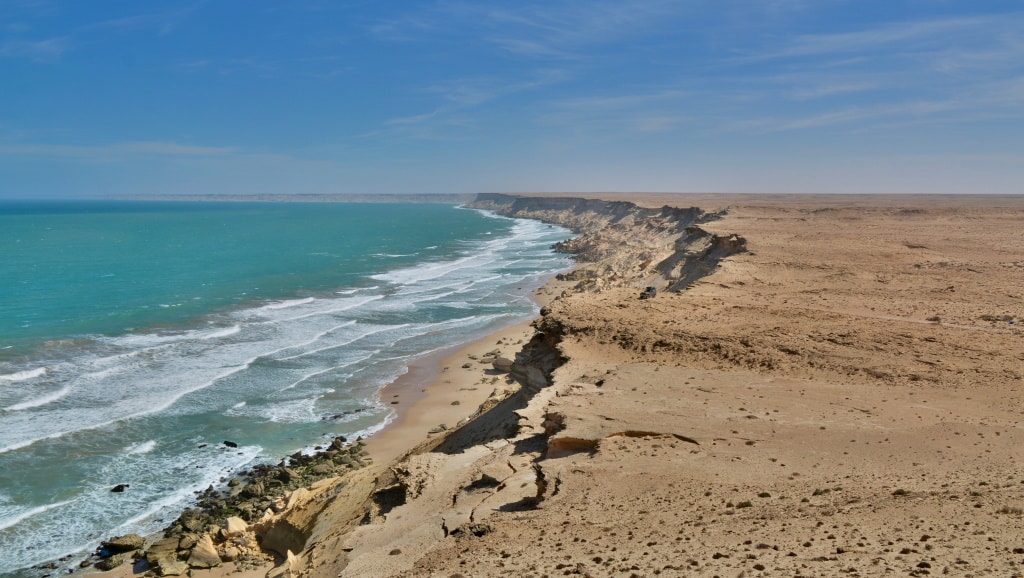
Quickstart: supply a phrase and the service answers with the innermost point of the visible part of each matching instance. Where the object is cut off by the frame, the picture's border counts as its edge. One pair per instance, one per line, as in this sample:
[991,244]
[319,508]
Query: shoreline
[437,389]
[427,393]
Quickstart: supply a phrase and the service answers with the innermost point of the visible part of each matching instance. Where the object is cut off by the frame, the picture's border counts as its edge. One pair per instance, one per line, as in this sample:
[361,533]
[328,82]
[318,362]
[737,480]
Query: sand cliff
[822,387]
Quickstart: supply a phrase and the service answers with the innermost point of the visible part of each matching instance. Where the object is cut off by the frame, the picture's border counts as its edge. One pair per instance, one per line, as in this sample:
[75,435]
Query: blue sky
[265,96]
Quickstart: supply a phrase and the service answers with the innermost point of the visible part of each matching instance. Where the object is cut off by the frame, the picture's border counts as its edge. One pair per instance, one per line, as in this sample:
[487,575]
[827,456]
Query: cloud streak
[47,50]
[53,48]
[115,151]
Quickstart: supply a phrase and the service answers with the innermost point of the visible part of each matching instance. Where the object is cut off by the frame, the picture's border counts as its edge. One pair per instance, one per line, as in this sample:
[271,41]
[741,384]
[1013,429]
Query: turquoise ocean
[136,336]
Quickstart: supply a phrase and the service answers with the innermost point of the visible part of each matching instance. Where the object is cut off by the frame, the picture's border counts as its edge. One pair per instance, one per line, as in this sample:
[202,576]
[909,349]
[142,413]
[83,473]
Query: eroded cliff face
[620,244]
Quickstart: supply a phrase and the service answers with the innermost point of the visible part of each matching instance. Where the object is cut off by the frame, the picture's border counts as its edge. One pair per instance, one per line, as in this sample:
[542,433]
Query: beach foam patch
[24,375]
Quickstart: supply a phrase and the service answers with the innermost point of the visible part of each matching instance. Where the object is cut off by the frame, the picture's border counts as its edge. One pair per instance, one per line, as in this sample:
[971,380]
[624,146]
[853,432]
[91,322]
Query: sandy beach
[823,386]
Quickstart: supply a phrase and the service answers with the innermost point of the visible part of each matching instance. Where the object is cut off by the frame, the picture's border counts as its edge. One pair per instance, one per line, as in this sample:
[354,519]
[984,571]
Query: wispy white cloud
[541,30]
[643,112]
[832,89]
[881,37]
[322,67]
[460,97]
[51,49]
[37,50]
[621,101]
[470,92]
[415,119]
[858,116]
[16,27]
[112,152]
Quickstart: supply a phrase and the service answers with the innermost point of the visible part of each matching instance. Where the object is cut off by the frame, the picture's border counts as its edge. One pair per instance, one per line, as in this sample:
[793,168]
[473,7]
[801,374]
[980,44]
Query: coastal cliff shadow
[499,422]
[537,443]
[532,370]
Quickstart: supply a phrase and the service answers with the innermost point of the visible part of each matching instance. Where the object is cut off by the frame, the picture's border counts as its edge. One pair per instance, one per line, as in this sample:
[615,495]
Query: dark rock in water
[125,543]
[201,446]
[119,488]
[230,444]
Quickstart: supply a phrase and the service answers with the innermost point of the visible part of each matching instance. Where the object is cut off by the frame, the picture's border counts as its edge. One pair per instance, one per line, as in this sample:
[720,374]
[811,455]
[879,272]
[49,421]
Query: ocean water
[136,336]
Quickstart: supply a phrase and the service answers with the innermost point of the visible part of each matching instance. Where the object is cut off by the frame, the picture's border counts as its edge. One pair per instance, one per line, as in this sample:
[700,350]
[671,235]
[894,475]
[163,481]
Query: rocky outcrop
[125,543]
[502,364]
[266,508]
[204,554]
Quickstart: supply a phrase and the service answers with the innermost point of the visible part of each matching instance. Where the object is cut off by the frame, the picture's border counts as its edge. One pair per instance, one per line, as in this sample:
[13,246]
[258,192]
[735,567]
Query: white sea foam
[26,514]
[41,400]
[357,290]
[289,411]
[226,332]
[327,370]
[373,331]
[428,271]
[141,447]
[24,375]
[289,303]
[241,457]
[330,310]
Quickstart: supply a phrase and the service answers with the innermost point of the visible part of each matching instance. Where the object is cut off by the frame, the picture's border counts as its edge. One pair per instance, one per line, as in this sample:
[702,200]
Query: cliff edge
[620,244]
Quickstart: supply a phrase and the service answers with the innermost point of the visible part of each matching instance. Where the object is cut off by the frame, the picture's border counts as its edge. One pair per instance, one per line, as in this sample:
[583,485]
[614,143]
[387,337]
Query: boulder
[114,561]
[119,488]
[187,541]
[125,543]
[236,526]
[204,554]
[502,364]
[162,549]
[286,475]
[230,444]
[322,469]
[171,567]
